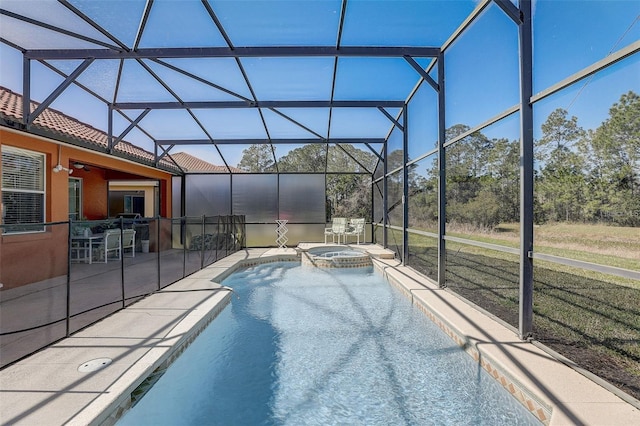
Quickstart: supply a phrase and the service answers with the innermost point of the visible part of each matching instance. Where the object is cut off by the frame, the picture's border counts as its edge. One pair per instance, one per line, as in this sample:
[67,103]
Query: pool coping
[46,388]
[551,390]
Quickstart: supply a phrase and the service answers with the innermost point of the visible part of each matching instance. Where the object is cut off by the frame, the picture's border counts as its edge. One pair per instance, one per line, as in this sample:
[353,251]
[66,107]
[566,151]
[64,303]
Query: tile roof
[193,164]
[58,123]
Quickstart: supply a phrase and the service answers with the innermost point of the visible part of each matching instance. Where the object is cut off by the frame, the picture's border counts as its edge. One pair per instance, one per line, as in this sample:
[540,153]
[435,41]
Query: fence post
[202,243]
[234,233]
[183,238]
[226,236]
[121,261]
[67,320]
[158,245]
[217,235]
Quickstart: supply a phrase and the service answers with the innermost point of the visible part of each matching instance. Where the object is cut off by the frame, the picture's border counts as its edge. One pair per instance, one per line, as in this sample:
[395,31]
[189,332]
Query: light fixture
[60,167]
[80,166]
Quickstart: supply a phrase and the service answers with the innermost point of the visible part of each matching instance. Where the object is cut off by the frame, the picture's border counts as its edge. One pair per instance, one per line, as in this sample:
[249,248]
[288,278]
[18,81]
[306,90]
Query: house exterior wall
[32,257]
[95,193]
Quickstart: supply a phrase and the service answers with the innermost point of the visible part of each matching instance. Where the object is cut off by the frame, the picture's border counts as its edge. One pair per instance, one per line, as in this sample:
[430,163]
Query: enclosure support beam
[165,152]
[110,129]
[510,9]
[26,91]
[129,128]
[259,104]
[526,173]
[393,120]
[59,30]
[385,197]
[405,187]
[376,153]
[61,88]
[423,73]
[297,141]
[441,175]
[238,52]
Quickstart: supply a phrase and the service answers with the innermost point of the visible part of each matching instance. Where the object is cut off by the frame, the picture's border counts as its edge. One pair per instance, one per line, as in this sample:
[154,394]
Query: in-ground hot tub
[336,257]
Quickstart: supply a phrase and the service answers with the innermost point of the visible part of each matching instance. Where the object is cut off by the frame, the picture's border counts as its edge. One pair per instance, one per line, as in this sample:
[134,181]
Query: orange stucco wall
[26,258]
[95,193]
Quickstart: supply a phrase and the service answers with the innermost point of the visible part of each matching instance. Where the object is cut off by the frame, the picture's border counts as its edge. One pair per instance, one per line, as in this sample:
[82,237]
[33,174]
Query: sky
[481,66]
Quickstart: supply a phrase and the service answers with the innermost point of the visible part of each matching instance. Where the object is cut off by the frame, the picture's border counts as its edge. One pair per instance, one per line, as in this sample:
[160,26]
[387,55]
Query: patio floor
[95,291]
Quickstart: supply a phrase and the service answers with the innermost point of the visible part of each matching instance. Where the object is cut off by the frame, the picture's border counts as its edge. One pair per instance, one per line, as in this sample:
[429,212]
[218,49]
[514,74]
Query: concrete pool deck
[47,388]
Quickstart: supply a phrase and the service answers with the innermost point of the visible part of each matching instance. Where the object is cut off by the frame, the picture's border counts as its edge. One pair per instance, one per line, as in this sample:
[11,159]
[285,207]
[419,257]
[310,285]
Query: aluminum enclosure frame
[521,16]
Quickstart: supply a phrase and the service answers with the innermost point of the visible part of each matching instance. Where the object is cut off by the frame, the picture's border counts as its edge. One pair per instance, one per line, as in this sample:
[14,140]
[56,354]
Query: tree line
[580,175]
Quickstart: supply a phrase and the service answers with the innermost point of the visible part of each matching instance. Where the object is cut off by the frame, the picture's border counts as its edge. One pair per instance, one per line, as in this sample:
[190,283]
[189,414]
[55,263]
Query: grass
[600,244]
[587,317]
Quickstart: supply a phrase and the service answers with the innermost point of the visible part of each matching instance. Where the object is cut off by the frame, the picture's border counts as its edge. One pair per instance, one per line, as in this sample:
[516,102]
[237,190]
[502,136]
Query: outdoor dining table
[81,247]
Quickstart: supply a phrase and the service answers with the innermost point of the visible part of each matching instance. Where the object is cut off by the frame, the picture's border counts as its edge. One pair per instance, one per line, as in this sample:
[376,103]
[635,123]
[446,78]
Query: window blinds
[22,189]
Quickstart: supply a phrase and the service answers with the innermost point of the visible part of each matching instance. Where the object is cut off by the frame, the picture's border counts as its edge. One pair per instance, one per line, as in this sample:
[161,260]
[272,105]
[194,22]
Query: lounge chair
[110,243]
[356,227]
[338,228]
[129,241]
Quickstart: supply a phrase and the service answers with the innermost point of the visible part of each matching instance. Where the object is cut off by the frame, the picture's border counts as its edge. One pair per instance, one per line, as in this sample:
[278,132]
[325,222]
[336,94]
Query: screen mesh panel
[302,198]
[256,197]
[208,195]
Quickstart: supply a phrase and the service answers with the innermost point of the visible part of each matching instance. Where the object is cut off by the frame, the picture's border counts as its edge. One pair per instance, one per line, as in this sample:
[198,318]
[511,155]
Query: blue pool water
[307,346]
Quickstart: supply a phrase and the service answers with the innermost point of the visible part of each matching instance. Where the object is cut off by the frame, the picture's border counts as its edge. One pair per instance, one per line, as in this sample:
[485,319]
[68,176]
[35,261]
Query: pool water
[336,257]
[342,253]
[307,346]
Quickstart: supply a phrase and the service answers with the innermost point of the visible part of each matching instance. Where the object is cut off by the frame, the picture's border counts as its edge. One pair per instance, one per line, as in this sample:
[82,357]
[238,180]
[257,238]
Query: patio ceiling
[224,75]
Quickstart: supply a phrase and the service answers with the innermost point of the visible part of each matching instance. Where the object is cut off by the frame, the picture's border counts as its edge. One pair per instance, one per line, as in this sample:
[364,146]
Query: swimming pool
[302,345]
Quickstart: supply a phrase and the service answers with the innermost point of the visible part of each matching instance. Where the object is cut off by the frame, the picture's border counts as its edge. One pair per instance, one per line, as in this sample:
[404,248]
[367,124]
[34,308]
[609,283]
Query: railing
[57,281]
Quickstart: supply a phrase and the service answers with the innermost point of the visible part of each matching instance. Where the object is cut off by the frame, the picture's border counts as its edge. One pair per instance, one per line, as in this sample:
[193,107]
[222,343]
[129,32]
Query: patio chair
[338,228]
[356,227]
[129,241]
[110,243]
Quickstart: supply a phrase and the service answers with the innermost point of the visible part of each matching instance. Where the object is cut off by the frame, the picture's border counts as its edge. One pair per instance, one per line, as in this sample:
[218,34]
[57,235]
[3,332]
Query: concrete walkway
[47,388]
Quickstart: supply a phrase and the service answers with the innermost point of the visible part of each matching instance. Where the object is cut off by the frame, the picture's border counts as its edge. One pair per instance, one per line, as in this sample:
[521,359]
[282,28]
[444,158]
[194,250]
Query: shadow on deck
[35,315]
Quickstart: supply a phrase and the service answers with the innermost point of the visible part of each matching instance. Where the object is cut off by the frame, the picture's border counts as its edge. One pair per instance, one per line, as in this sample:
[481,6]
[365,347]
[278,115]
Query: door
[75,198]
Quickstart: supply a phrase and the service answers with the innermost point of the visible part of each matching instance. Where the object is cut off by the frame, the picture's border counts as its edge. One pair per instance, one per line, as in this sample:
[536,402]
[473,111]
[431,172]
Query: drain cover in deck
[94,365]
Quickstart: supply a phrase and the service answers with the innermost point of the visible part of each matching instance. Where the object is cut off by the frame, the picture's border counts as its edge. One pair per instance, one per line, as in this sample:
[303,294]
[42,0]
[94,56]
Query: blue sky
[482,65]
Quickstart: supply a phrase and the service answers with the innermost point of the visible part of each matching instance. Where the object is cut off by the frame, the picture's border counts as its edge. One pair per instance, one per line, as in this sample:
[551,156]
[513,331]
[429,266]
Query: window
[75,198]
[23,190]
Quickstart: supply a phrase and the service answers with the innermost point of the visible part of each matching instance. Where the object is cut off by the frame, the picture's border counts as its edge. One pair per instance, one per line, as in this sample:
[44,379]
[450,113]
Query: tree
[615,154]
[308,158]
[347,158]
[503,167]
[350,194]
[423,199]
[257,158]
[467,173]
[562,182]
[559,135]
